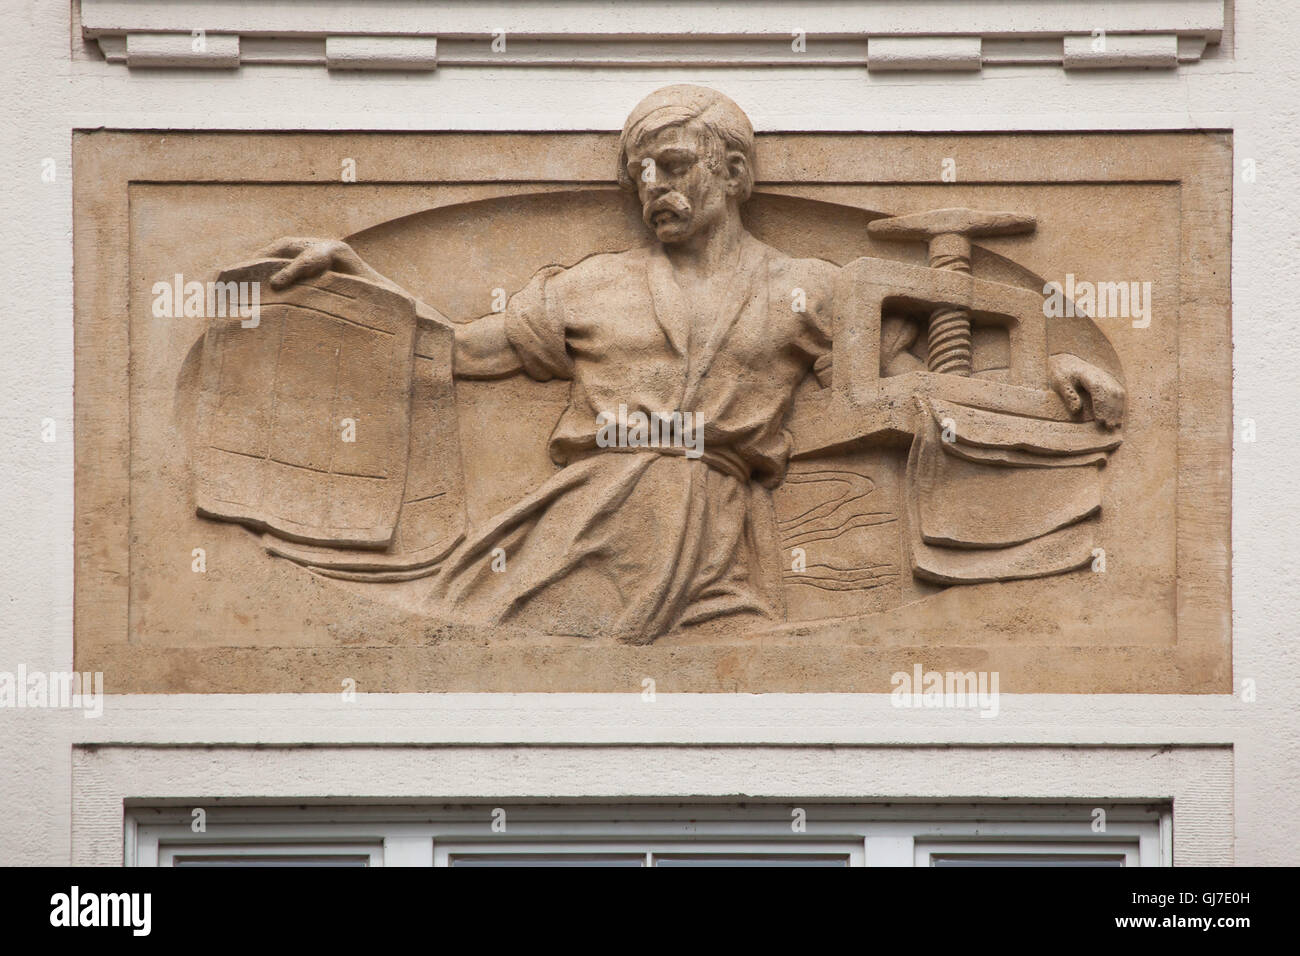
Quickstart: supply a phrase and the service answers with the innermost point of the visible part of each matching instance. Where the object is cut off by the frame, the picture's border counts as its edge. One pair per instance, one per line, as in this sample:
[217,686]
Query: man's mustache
[675,203]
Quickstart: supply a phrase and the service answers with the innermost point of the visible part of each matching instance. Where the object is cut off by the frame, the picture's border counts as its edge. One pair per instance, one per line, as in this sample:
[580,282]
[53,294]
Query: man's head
[688,151]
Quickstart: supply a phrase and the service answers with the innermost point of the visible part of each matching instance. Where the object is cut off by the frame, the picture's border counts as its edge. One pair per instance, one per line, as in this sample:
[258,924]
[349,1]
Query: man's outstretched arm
[483,350]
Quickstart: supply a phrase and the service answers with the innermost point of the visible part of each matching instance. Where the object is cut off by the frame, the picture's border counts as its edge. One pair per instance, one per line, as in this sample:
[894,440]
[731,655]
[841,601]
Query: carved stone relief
[731,432]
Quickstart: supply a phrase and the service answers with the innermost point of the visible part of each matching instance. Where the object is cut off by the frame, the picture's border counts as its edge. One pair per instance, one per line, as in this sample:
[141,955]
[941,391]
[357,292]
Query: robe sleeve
[535,327]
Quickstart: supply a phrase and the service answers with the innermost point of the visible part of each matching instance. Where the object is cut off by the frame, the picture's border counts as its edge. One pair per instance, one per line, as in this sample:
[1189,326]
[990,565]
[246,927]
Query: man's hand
[1072,376]
[896,336]
[311,257]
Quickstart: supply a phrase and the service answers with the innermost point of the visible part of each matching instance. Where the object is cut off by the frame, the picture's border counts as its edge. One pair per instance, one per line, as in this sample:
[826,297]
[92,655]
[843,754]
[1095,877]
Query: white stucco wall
[1247,86]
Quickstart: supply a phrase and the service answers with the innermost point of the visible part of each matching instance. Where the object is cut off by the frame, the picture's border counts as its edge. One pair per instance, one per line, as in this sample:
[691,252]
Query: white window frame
[866,834]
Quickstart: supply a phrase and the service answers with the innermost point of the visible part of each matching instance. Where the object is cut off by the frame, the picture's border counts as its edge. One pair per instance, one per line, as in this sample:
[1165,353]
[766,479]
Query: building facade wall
[1233,760]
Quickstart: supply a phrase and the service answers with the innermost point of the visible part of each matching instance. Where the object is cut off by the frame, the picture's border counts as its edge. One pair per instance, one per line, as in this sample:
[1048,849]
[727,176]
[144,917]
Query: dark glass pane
[753,860]
[1025,859]
[271,861]
[544,859]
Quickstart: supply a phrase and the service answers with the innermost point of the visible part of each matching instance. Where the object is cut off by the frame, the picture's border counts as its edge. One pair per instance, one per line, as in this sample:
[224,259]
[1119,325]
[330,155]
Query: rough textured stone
[848,508]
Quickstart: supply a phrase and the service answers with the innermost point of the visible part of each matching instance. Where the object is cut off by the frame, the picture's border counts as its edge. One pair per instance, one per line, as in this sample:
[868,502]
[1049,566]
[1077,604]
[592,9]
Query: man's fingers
[310,263]
[286,248]
[1071,377]
[1072,400]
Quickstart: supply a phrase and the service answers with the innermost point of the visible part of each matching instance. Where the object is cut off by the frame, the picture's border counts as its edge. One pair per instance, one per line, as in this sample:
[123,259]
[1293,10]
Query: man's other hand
[1071,377]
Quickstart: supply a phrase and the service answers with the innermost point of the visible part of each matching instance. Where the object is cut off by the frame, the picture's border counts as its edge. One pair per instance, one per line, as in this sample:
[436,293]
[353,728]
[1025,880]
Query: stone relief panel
[734,413]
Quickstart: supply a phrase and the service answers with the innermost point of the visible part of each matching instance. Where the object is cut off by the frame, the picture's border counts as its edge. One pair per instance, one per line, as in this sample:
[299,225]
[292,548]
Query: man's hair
[681,105]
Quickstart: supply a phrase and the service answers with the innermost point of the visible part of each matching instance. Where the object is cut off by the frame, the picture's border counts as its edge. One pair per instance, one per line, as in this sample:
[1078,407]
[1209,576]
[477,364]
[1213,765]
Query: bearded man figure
[635,539]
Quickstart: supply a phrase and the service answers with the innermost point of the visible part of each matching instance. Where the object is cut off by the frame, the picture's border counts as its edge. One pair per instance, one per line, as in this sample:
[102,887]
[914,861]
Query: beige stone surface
[974,553]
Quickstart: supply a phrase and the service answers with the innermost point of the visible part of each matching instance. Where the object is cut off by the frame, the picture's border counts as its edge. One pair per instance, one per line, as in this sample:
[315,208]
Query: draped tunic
[635,542]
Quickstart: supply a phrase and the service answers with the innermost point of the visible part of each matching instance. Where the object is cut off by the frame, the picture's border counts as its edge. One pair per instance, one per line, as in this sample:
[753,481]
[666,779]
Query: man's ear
[737,172]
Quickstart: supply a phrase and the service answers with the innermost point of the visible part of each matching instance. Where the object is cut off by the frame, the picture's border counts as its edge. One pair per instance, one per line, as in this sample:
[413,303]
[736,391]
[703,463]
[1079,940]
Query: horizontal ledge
[381,53]
[925,53]
[425,51]
[739,743]
[679,17]
[197,49]
[1102,52]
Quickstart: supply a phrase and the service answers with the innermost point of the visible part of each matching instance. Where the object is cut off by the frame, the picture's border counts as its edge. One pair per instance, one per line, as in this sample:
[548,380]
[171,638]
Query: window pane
[545,859]
[1025,859]
[270,861]
[785,859]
